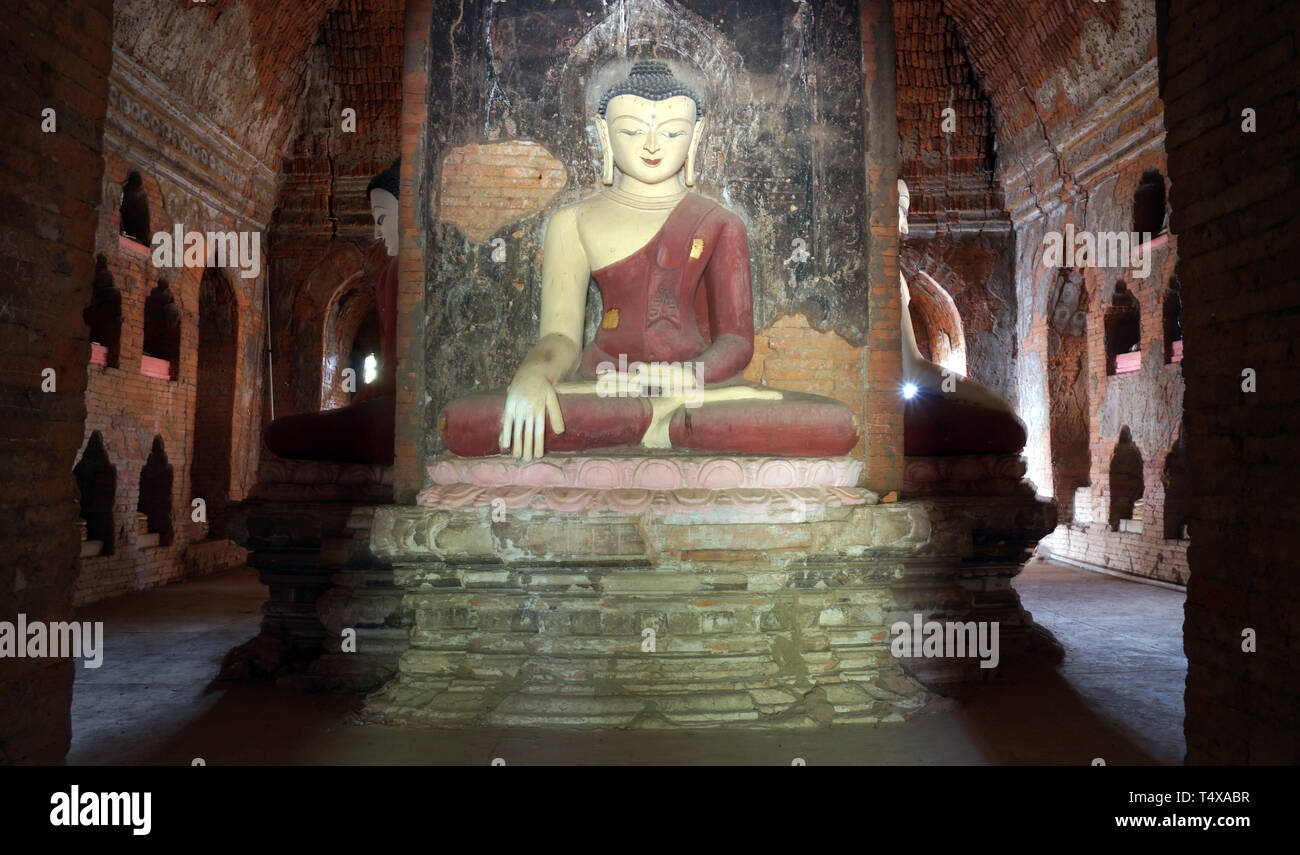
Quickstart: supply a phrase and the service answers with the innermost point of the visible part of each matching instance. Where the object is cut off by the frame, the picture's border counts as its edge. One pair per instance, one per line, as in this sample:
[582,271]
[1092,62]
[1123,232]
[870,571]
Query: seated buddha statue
[362,431]
[664,369]
[967,418]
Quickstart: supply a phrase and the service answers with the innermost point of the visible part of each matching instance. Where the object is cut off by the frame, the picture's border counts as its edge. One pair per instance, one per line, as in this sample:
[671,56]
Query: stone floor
[1118,696]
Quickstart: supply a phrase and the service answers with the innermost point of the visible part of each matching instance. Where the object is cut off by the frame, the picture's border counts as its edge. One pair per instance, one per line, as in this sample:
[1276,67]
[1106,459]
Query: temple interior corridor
[979,316]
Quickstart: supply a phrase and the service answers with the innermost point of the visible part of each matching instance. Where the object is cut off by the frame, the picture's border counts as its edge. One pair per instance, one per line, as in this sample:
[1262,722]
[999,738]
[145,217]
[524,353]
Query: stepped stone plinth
[682,590]
[306,525]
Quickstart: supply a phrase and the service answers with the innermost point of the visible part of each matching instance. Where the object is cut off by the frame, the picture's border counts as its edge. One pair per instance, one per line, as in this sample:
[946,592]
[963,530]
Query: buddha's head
[649,126]
[383,190]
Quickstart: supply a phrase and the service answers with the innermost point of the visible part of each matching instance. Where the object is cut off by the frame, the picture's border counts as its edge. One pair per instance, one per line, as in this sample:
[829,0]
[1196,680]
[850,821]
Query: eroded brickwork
[214,349]
[47,244]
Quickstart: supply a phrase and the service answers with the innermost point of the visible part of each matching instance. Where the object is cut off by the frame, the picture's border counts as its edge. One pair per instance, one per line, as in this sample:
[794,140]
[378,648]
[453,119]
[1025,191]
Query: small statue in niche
[134,211]
[361,432]
[104,314]
[664,369]
[162,324]
[968,417]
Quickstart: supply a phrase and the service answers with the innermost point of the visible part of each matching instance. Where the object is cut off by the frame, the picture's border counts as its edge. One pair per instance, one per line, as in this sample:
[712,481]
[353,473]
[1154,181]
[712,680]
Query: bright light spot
[909,390]
[370,369]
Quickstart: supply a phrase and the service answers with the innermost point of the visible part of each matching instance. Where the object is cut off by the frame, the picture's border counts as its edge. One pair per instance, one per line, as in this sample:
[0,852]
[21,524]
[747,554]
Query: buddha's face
[383,205]
[650,140]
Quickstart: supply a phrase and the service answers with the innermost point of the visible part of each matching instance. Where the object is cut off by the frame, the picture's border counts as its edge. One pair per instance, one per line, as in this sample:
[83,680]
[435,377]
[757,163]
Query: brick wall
[1234,213]
[1088,181]
[129,409]
[51,58]
[790,354]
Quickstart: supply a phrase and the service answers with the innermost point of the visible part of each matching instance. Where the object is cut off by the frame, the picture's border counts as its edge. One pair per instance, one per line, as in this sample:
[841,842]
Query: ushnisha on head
[383,191]
[649,126]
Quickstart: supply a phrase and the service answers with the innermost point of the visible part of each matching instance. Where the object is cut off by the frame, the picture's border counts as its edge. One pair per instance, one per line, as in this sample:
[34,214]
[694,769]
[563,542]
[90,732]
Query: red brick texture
[51,192]
[1234,211]
[204,438]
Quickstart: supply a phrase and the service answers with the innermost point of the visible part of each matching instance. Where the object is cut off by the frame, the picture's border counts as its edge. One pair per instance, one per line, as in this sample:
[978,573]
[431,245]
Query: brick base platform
[307,526]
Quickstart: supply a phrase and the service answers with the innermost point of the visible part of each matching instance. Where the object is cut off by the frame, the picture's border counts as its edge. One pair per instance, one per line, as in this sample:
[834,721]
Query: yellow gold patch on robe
[611,320]
[697,248]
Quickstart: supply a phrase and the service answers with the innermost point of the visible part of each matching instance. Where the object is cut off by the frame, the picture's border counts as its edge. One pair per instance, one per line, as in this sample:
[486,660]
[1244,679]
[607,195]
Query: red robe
[683,297]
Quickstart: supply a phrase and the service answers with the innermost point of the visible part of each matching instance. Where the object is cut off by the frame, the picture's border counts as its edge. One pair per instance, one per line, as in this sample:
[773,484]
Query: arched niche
[214,401]
[104,316]
[365,353]
[1150,208]
[1175,482]
[162,333]
[133,212]
[96,479]
[1123,326]
[1067,385]
[155,502]
[348,311]
[1172,315]
[314,357]
[1126,480]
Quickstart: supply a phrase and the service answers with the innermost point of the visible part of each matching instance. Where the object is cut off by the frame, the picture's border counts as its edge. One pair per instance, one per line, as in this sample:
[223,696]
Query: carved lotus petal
[629,499]
[971,469]
[654,474]
[574,499]
[540,474]
[444,472]
[721,474]
[693,497]
[600,473]
[517,497]
[777,473]
[490,473]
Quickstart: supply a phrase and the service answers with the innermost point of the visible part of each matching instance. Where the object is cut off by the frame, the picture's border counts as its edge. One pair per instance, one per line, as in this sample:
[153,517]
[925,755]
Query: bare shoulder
[595,206]
[564,219]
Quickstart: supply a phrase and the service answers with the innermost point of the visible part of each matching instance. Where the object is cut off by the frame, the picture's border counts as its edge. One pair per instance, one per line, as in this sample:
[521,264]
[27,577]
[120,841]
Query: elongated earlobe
[606,152]
[690,154]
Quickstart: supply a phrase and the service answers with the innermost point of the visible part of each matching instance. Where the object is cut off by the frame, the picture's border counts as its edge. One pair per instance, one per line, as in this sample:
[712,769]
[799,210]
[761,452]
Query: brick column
[883,431]
[409,447]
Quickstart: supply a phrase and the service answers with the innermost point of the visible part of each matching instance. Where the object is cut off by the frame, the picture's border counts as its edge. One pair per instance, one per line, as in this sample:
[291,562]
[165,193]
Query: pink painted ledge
[701,488]
[1127,363]
[132,245]
[159,369]
[610,472]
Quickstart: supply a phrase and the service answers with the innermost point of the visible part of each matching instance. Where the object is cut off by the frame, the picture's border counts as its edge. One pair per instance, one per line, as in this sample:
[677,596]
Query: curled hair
[653,81]
[389,179]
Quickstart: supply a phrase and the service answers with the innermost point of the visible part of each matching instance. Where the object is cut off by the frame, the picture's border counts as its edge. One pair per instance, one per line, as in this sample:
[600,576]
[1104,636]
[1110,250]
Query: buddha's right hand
[530,399]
